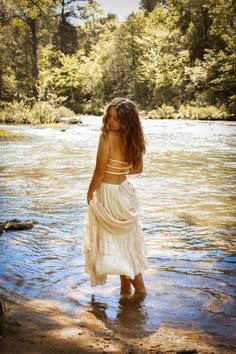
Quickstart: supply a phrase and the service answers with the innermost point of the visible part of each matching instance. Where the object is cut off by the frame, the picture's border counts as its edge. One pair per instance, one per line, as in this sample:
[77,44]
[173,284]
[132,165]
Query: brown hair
[131,129]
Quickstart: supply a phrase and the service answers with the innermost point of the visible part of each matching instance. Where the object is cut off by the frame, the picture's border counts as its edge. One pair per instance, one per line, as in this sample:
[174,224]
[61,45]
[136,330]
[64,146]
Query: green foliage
[65,38]
[32,9]
[149,5]
[208,112]
[174,58]
[15,112]
[40,112]
[120,56]
[89,10]
[166,111]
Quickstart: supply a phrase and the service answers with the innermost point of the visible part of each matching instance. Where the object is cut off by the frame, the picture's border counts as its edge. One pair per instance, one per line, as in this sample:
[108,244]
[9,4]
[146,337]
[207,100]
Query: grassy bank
[9,135]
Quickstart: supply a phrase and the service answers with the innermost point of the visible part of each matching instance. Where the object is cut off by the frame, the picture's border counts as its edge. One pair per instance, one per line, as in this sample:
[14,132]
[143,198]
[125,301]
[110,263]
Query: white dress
[113,239]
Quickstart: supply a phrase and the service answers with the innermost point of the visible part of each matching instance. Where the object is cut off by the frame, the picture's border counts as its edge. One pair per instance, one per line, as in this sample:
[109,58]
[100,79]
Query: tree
[89,12]
[172,53]
[30,12]
[65,39]
[149,5]
[121,65]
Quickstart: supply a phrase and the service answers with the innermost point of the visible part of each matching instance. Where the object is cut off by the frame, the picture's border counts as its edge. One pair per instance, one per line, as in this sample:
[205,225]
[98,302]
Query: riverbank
[46,113]
[41,326]
[73,120]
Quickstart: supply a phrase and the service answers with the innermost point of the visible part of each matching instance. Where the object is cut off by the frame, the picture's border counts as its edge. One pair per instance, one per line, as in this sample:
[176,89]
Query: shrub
[93,107]
[163,112]
[207,112]
[166,111]
[41,112]
[15,112]
[153,114]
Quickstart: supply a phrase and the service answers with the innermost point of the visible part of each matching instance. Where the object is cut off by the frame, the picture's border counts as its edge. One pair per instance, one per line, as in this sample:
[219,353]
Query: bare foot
[139,295]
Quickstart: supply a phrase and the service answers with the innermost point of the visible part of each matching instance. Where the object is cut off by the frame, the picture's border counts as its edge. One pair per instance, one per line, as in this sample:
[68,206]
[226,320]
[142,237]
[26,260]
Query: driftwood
[15,224]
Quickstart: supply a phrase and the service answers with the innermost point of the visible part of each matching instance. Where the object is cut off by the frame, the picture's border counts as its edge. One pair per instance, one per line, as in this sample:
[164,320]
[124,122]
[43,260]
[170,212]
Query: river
[187,194]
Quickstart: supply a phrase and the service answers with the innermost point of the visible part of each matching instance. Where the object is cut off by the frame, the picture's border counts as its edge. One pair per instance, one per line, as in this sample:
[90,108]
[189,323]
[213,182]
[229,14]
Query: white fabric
[113,239]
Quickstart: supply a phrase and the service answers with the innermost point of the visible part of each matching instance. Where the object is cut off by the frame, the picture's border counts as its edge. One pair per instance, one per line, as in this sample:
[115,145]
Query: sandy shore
[41,327]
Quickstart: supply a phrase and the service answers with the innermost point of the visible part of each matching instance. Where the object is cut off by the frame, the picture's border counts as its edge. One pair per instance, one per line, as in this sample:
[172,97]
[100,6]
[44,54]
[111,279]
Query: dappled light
[187,199]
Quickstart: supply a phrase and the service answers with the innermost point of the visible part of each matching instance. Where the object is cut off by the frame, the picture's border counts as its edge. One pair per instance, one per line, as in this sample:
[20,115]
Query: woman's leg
[125,285]
[138,284]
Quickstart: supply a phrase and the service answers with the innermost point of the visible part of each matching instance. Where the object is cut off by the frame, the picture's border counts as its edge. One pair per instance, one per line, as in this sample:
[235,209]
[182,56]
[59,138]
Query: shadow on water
[131,316]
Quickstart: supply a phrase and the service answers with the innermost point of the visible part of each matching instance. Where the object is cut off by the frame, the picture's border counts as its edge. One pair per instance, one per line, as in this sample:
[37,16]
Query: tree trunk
[63,20]
[206,27]
[1,83]
[133,60]
[33,27]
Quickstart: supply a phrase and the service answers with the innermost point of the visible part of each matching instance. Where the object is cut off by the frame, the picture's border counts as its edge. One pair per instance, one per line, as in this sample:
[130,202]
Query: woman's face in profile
[113,121]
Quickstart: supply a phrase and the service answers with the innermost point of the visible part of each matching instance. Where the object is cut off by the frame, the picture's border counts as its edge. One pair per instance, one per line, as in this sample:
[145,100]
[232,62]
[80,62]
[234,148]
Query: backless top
[123,169]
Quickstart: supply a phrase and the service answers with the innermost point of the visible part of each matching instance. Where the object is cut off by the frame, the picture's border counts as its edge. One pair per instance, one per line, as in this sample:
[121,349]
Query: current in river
[187,195]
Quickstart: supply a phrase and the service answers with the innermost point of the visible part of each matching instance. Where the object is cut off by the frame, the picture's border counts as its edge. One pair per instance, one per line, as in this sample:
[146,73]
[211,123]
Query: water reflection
[131,315]
[187,195]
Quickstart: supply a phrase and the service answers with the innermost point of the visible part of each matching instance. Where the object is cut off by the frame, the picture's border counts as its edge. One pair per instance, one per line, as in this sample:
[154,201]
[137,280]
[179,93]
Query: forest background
[174,58]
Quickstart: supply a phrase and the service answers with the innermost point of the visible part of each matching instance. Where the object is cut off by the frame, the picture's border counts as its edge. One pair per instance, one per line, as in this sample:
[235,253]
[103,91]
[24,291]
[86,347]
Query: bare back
[117,168]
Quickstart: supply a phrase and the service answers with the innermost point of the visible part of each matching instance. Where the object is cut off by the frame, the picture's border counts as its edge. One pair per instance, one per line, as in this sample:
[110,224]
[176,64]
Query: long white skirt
[113,239]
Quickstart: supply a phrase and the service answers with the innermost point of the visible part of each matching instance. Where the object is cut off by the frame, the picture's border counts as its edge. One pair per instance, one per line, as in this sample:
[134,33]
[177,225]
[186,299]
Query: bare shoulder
[111,137]
[104,139]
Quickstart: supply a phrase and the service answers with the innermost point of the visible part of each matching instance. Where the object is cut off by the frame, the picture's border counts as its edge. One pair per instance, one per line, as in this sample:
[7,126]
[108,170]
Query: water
[187,193]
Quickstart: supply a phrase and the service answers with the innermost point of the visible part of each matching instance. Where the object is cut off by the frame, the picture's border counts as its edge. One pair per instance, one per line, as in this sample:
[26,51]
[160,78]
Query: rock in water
[16,224]
[1,227]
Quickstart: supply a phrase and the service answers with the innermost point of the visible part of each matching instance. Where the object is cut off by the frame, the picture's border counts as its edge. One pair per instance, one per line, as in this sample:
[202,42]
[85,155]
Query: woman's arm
[136,170]
[100,168]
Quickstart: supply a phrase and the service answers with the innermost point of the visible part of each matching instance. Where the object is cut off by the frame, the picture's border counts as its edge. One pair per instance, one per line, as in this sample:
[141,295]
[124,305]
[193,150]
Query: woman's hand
[89,197]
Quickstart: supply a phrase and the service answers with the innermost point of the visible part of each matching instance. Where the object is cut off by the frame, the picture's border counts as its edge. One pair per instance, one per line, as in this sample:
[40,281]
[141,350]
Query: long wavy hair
[133,140]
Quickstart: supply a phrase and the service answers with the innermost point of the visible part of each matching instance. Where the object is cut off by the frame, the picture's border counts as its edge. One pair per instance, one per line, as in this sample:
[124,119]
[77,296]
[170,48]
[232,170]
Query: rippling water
[187,193]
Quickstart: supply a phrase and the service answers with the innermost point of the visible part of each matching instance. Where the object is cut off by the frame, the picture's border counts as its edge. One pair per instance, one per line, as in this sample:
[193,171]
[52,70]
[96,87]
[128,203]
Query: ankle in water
[125,290]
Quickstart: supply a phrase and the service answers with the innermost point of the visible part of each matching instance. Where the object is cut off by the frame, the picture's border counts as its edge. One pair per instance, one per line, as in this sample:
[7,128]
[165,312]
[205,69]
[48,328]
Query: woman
[113,242]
